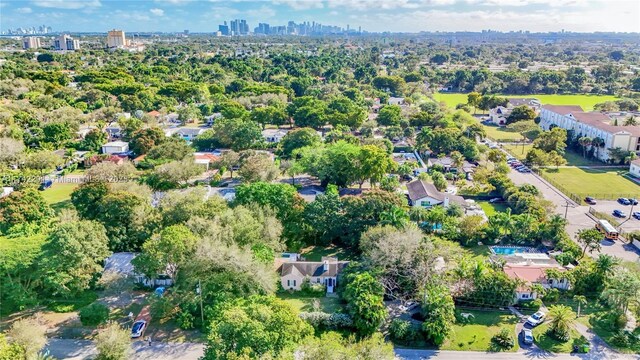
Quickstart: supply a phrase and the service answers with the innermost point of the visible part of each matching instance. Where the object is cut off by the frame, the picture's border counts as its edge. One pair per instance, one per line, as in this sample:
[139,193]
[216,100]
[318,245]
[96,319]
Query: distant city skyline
[374,16]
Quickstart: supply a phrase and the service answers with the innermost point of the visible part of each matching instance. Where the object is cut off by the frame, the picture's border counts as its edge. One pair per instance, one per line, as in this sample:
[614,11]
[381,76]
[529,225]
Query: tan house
[294,271]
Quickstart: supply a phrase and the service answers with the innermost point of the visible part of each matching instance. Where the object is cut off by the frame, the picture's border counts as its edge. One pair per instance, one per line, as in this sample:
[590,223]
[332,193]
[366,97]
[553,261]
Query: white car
[536,319]
[495,200]
[138,329]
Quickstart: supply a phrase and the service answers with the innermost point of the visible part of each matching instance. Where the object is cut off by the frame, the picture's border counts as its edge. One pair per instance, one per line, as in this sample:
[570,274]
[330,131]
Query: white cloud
[367,4]
[301,4]
[157,12]
[67,4]
[24,10]
[264,12]
[173,2]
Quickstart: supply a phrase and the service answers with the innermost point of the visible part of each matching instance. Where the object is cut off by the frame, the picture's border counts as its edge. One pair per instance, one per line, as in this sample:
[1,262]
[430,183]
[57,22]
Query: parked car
[536,319]
[633,201]
[624,201]
[619,213]
[407,178]
[589,200]
[138,329]
[525,170]
[527,336]
[45,185]
[636,215]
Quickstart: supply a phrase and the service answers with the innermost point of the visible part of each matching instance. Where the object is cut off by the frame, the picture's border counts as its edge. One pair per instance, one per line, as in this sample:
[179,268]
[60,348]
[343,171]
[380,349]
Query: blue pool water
[510,250]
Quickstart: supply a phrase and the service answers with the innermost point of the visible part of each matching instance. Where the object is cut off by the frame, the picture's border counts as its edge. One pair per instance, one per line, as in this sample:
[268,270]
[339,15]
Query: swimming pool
[510,250]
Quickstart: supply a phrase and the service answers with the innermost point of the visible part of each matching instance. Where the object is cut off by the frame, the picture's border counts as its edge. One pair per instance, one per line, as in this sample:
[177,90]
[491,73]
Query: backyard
[600,184]
[491,208]
[586,101]
[59,195]
[301,303]
[477,334]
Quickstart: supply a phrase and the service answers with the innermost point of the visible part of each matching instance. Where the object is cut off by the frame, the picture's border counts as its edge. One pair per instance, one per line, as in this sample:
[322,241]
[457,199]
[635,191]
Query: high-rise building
[116,39]
[66,43]
[31,42]
[224,29]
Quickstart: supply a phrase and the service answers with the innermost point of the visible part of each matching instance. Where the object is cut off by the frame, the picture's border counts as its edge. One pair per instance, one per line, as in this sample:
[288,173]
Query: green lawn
[498,133]
[59,195]
[306,304]
[584,100]
[601,184]
[476,336]
[315,253]
[491,208]
[546,342]
[573,158]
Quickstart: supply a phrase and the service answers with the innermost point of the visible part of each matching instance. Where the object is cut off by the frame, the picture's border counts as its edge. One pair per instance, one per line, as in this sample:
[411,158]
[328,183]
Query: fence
[600,215]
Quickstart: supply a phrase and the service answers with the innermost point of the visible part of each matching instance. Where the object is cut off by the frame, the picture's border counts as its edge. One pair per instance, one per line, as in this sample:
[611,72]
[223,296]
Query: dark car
[45,185]
[624,201]
[633,201]
[589,200]
[619,213]
[636,215]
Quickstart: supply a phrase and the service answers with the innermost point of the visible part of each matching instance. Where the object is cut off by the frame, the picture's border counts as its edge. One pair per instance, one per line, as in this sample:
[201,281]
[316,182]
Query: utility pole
[566,209]
[201,308]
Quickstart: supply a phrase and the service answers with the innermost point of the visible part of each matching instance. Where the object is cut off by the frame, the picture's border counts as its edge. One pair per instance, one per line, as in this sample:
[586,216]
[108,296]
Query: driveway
[85,349]
[577,218]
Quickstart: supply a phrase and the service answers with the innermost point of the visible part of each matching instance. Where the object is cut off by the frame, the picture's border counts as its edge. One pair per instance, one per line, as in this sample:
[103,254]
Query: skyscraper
[66,43]
[116,39]
[31,42]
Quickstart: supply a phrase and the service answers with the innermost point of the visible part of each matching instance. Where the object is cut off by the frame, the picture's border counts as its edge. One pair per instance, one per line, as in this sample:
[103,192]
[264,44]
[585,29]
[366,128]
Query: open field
[498,133]
[59,195]
[601,184]
[584,100]
[573,158]
[476,336]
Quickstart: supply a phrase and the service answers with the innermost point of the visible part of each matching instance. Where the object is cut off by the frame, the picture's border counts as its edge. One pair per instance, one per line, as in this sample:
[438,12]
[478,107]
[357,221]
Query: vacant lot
[476,336]
[600,184]
[59,195]
[585,101]
[573,158]
[500,134]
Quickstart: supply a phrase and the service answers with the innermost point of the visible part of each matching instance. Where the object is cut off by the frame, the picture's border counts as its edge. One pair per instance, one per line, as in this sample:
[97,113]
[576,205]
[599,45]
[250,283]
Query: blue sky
[372,15]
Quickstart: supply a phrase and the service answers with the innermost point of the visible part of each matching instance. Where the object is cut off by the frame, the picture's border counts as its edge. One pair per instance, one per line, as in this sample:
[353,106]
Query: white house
[396,101]
[115,147]
[499,115]
[426,195]
[634,168]
[592,125]
[274,135]
[294,272]
[187,133]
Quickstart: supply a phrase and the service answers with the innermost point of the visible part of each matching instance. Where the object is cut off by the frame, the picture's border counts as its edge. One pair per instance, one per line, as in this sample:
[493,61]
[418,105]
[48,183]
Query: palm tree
[538,289]
[423,138]
[606,264]
[581,300]
[622,288]
[395,217]
[458,160]
[597,143]
[584,142]
[562,318]
[630,121]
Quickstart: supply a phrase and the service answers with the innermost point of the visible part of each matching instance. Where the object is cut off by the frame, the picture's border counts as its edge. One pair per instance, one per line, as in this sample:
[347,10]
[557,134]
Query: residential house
[446,163]
[499,115]
[529,275]
[592,125]
[274,135]
[209,120]
[96,159]
[82,132]
[115,147]
[634,168]
[396,101]
[424,194]
[187,133]
[204,158]
[294,272]
[113,130]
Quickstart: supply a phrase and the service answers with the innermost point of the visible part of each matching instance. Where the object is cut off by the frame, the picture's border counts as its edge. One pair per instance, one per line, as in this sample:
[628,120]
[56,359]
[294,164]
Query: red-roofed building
[204,158]
[528,275]
[154,113]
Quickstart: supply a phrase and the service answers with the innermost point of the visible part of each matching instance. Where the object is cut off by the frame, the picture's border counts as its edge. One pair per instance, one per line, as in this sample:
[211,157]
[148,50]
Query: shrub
[552,295]
[311,289]
[616,320]
[503,339]
[403,331]
[94,314]
[185,320]
[531,305]
[161,307]
[621,339]
[323,320]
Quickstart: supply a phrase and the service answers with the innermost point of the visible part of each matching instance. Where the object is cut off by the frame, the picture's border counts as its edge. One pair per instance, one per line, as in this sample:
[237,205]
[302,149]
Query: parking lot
[626,225]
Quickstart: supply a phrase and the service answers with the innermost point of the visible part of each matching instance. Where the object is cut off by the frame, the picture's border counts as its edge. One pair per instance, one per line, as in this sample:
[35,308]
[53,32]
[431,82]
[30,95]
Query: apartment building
[592,125]
[31,42]
[116,39]
[66,43]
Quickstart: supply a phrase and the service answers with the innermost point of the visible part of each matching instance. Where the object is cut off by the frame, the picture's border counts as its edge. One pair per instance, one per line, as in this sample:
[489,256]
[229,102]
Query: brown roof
[528,273]
[603,122]
[313,268]
[154,113]
[562,109]
[420,189]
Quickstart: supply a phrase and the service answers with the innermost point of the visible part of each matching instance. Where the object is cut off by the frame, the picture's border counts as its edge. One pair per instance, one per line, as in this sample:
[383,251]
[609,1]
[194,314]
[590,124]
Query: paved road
[85,349]
[576,215]
[410,354]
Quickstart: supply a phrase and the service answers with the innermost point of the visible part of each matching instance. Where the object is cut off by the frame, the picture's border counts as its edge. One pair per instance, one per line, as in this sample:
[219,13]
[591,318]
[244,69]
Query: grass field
[59,195]
[584,100]
[546,342]
[573,158]
[491,208]
[498,133]
[600,184]
[476,336]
